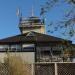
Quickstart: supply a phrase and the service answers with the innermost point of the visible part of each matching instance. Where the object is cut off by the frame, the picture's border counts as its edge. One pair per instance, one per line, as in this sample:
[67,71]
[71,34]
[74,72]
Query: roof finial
[32,12]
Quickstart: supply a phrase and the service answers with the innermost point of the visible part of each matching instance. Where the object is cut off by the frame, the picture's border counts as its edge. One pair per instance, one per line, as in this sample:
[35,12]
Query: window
[55,52]
[4,47]
[28,47]
[15,47]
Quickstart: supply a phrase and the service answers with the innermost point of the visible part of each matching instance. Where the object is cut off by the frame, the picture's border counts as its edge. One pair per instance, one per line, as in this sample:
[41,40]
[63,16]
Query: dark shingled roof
[30,37]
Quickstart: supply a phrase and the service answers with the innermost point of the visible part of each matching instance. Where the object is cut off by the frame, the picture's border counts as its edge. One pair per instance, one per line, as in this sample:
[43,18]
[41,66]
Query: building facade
[47,54]
[33,45]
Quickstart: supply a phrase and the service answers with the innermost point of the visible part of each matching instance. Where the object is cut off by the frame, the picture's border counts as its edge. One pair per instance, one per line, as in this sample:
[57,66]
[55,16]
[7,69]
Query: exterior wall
[28,57]
[39,30]
[42,29]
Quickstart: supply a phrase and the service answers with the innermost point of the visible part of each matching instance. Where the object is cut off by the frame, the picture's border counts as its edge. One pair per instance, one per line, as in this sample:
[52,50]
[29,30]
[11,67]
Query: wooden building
[33,45]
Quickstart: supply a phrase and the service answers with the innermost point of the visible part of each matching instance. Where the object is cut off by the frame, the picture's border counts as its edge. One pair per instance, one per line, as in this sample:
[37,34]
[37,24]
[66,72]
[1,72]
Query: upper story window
[15,47]
[28,47]
[4,47]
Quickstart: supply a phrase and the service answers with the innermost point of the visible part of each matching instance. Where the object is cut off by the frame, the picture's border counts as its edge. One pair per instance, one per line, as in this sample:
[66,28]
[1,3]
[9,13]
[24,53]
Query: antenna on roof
[18,12]
[32,11]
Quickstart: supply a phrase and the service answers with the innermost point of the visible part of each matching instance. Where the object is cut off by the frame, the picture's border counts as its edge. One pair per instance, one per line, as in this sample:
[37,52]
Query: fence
[6,70]
[64,68]
[51,68]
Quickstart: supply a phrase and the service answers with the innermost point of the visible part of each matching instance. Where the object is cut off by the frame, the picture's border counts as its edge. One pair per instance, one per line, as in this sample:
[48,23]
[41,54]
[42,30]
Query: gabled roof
[30,37]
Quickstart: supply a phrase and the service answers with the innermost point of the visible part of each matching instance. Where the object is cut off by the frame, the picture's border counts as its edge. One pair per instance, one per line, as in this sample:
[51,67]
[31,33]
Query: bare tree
[67,24]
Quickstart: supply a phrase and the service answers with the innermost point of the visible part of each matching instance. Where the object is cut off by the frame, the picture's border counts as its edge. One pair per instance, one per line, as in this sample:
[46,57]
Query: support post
[32,70]
[56,72]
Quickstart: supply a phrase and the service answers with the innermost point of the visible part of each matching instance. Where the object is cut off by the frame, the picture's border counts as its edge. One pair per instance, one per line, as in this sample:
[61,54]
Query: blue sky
[9,20]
